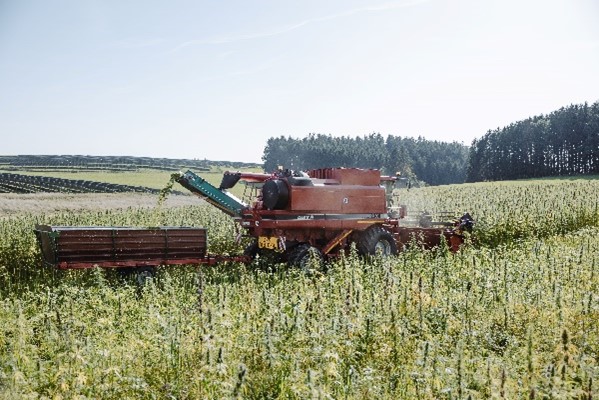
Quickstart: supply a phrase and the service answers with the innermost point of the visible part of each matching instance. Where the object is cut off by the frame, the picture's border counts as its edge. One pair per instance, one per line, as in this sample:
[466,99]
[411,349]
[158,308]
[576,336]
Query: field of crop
[77,180]
[154,179]
[513,315]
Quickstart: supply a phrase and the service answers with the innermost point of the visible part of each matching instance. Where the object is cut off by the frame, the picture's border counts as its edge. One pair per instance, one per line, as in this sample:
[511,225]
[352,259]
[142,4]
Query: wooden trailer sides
[85,247]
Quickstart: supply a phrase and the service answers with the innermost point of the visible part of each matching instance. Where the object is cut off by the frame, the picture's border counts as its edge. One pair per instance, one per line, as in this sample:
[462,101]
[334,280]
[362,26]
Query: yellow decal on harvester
[268,242]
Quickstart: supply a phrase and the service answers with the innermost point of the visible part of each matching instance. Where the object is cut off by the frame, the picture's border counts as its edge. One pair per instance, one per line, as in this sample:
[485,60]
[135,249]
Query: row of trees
[433,162]
[565,142]
[109,163]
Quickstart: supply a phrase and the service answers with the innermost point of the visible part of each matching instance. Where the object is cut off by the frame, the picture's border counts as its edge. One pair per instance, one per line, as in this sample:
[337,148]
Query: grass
[484,323]
[568,178]
[510,211]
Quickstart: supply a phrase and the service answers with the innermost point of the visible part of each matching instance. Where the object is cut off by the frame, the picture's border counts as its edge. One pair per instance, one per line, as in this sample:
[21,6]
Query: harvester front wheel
[306,257]
[376,240]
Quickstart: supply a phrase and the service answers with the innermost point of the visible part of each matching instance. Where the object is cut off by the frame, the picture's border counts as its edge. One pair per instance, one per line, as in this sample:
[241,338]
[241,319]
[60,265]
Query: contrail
[288,28]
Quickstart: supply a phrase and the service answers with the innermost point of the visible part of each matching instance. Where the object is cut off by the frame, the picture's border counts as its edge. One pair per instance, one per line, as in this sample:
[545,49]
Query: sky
[216,79]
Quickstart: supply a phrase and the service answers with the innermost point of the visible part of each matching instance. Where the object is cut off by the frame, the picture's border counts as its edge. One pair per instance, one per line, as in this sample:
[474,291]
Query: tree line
[565,142]
[110,163]
[433,162]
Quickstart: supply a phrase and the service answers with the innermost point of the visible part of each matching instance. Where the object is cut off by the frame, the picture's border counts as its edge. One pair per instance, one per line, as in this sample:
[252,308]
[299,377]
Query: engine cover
[338,199]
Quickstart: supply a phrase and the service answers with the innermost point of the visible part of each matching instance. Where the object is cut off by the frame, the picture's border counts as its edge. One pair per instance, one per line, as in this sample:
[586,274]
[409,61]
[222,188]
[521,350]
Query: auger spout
[219,198]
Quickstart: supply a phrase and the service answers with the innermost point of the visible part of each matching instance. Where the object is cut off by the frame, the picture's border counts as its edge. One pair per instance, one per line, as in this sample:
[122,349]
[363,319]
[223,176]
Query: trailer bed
[67,247]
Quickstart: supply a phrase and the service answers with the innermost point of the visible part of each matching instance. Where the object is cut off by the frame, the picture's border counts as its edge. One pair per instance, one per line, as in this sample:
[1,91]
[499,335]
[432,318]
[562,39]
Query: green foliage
[417,326]
[565,142]
[517,319]
[511,211]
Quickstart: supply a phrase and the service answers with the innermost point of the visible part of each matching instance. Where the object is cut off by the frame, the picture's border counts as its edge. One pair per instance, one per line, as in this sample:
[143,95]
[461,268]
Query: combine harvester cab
[313,215]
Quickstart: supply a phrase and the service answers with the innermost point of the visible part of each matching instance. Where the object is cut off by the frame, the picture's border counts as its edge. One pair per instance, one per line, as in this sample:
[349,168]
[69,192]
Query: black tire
[307,258]
[375,240]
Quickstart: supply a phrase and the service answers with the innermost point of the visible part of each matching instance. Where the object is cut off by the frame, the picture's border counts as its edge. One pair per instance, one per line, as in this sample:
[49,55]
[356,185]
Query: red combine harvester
[301,217]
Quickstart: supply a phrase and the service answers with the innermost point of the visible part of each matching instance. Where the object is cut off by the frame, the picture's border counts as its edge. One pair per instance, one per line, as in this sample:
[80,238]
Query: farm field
[147,178]
[56,203]
[513,315]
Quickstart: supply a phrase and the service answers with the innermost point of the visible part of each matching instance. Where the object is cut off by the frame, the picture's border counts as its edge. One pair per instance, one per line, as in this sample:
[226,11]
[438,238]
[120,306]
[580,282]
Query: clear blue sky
[216,79]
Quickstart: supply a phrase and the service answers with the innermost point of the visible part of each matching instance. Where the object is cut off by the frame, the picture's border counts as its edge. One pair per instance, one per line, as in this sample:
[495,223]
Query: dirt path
[48,203]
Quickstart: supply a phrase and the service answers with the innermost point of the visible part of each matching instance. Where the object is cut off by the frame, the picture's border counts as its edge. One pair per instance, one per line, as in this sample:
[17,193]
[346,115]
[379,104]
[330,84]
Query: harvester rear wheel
[376,240]
[306,257]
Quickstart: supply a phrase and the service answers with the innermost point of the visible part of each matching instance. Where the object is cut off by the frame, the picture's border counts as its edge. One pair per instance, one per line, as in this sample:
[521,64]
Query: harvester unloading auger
[302,218]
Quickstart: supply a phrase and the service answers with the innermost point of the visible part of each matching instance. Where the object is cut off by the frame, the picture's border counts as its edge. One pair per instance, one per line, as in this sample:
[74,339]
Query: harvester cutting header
[301,218]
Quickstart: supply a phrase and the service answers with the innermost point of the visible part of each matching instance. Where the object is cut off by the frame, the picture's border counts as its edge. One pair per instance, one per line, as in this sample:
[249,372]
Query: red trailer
[129,249]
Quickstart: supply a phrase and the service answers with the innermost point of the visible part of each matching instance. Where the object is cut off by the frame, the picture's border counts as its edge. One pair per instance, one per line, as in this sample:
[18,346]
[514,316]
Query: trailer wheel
[306,257]
[144,274]
[376,240]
